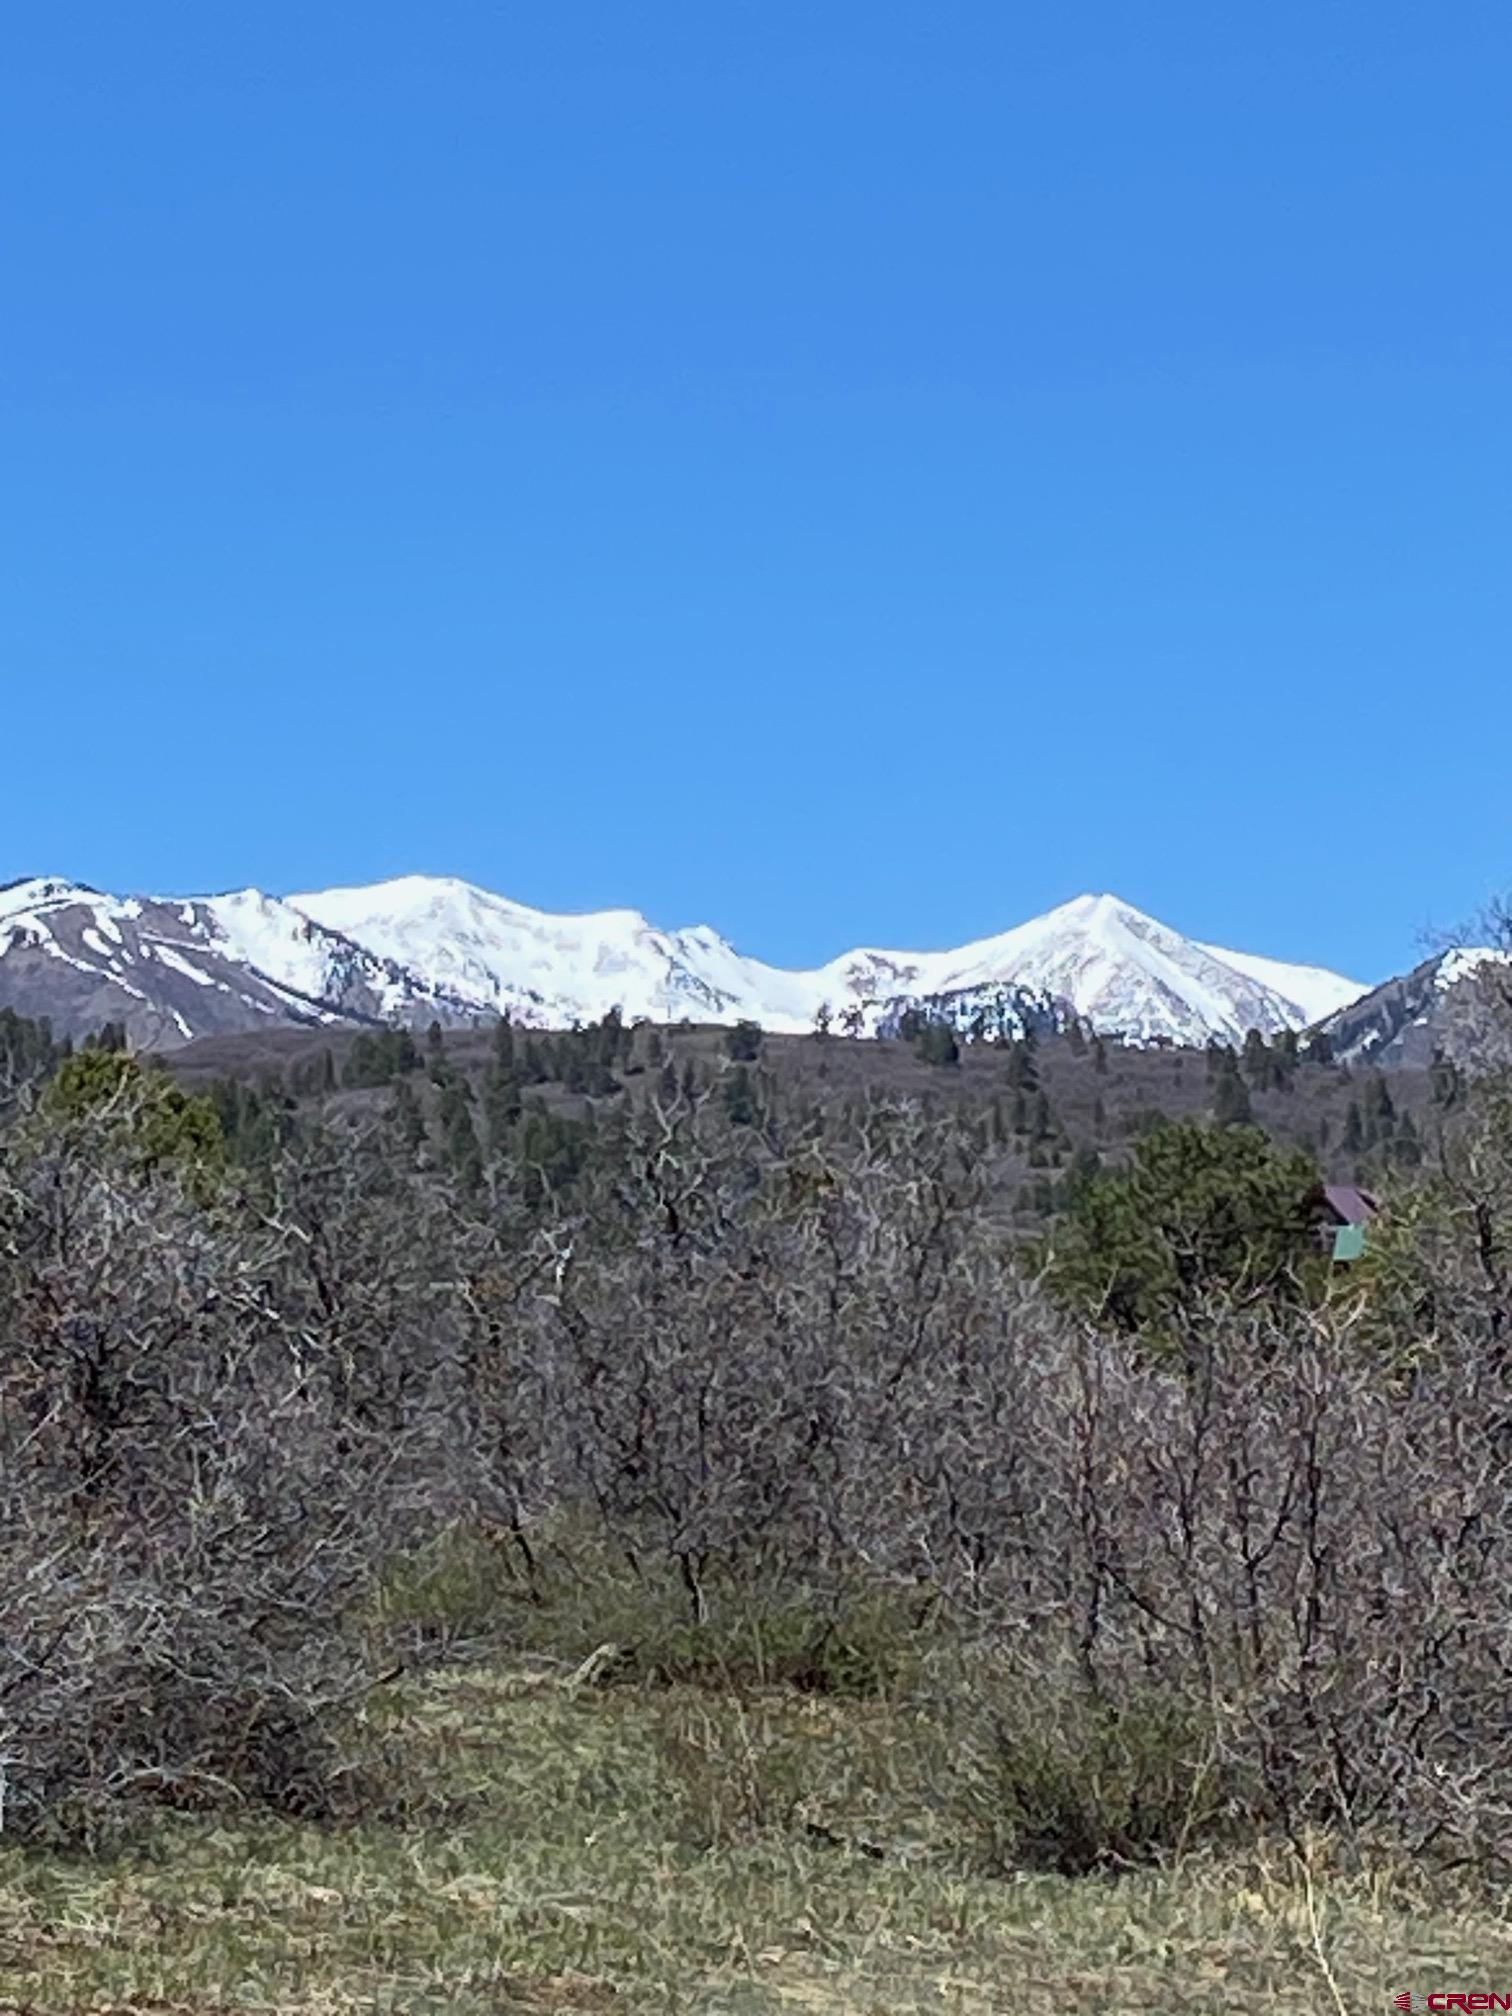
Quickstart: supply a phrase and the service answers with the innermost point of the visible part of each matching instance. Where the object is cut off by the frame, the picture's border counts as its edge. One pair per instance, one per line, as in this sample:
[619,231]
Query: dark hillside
[1040,1110]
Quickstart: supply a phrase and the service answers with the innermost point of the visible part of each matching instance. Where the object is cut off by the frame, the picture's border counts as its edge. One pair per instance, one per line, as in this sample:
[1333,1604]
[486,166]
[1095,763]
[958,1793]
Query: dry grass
[628,1850]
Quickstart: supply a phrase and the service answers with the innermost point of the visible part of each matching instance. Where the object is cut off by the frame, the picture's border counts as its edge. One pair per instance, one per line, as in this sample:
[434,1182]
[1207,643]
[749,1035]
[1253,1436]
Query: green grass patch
[558,1847]
[569,1596]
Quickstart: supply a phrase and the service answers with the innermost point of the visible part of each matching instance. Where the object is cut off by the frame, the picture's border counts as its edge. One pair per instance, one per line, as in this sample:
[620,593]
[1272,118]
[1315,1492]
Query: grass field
[551,1847]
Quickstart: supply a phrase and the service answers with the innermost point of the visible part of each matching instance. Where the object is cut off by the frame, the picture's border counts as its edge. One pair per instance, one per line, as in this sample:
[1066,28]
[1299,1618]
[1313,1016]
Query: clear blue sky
[841,472]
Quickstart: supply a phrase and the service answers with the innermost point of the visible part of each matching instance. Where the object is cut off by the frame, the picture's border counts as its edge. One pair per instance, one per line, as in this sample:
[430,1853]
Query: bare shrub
[193,1489]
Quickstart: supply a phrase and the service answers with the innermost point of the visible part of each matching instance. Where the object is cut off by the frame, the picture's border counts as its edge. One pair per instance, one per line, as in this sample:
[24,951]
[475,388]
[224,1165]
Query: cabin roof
[1349,1204]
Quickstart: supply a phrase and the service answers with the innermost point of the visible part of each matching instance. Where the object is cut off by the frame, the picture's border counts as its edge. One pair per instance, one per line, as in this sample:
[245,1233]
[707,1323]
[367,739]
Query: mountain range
[423,948]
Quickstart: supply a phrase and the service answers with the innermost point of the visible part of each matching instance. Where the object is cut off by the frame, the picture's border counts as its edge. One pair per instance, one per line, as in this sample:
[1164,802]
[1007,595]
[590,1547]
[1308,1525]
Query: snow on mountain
[1413,1016]
[173,969]
[502,957]
[1126,975]
[423,947]
[1095,957]
[1312,991]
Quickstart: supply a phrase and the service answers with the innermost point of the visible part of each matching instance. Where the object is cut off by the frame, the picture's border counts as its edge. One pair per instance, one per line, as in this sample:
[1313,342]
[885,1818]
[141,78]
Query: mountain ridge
[419,948]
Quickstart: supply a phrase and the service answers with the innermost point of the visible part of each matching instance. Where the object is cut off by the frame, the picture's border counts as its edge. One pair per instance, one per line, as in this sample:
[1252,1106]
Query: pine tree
[1406,1147]
[1443,1081]
[1231,1101]
[936,1044]
[501,1106]
[1380,1107]
[743,1042]
[1020,1070]
[1284,1060]
[409,1121]
[462,1150]
[740,1098]
[1257,1059]
[504,1045]
[1197,1210]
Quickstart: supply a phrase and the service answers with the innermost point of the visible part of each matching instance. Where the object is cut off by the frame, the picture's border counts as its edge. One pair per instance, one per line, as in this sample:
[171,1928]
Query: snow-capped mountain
[1433,1008]
[423,948]
[1095,957]
[174,969]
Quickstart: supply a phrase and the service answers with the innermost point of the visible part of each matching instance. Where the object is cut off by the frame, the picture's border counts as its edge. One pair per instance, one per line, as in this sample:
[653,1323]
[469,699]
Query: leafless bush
[205,1440]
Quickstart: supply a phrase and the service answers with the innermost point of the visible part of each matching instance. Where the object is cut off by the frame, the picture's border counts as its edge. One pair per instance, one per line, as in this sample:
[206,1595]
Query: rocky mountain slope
[1436,1007]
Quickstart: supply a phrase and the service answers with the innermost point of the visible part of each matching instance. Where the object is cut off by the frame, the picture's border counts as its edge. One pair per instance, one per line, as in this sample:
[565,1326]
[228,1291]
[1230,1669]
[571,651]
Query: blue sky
[849,473]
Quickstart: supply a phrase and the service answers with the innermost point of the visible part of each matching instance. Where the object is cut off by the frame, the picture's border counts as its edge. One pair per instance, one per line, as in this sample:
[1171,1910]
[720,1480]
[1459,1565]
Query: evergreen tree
[154,1122]
[501,1105]
[1231,1102]
[1444,1081]
[409,1121]
[1284,1060]
[1406,1147]
[1085,1166]
[743,1042]
[1379,1108]
[504,1044]
[1020,1069]
[740,1098]
[936,1044]
[1199,1211]
[532,1056]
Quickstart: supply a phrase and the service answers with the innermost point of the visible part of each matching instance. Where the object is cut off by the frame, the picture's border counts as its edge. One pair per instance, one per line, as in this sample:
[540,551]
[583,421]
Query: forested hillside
[1035,1114]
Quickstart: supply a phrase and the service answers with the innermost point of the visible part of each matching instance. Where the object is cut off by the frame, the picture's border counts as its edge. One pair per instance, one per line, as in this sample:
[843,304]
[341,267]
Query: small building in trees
[1344,1215]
